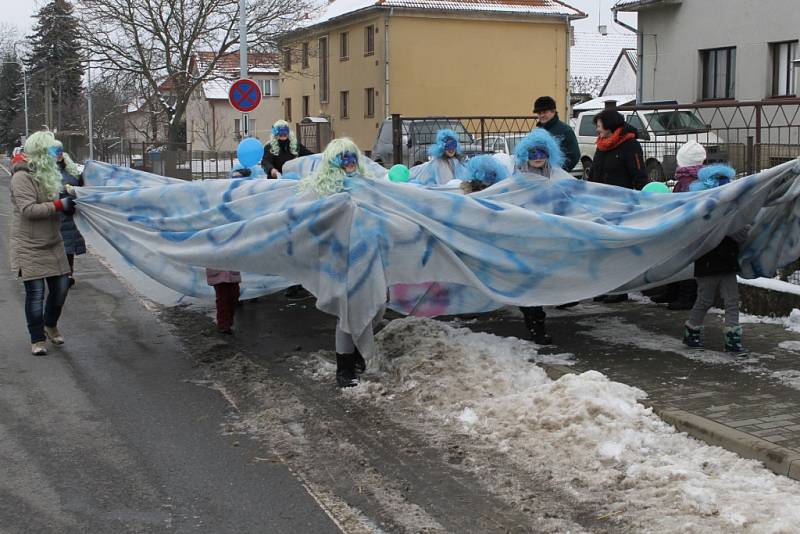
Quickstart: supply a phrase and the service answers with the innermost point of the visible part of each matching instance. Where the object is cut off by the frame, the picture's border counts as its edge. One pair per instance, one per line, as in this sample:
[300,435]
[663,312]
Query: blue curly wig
[436,150]
[712,176]
[487,170]
[539,138]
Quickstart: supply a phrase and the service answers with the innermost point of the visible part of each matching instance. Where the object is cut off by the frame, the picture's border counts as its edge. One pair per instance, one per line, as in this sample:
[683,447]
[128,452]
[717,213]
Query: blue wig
[487,170]
[712,176]
[436,150]
[541,139]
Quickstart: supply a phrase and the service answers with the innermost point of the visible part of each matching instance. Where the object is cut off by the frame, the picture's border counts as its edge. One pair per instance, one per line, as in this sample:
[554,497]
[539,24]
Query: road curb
[779,460]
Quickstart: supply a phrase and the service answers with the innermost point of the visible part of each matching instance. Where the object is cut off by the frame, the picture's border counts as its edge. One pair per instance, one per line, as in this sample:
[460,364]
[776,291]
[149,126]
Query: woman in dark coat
[282,147]
[618,160]
[74,245]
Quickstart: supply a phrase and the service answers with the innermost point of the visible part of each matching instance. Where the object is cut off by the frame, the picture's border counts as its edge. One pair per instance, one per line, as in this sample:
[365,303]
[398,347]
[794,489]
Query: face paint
[280,130]
[55,151]
[346,159]
[537,153]
[450,145]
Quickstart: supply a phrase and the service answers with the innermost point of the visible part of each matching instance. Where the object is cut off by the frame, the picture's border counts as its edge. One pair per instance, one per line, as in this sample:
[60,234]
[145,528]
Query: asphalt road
[115,431]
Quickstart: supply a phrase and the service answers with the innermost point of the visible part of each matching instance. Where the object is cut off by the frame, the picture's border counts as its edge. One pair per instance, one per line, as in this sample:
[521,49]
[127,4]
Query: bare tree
[211,130]
[157,39]
[586,85]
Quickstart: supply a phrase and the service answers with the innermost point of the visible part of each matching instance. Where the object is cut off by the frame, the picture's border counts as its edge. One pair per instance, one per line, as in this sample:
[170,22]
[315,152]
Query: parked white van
[661,134]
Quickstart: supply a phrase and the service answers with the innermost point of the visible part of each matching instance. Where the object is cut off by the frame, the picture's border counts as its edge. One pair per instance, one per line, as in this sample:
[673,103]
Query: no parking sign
[245,95]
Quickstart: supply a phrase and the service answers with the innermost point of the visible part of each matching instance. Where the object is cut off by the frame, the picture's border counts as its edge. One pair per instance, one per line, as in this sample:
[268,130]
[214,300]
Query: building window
[719,73]
[266,87]
[344,104]
[782,68]
[369,40]
[369,102]
[306,106]
[274,88]
[305,55]
[287,109]
[287,60]
[344,46]
[323,70]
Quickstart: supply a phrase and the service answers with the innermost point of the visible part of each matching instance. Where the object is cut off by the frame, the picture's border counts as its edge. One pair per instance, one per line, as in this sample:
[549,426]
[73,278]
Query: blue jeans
[37,312]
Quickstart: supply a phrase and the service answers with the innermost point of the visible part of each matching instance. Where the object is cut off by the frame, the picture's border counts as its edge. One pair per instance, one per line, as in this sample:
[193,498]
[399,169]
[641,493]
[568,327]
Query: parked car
[661,134]
[494,144]
[417,136]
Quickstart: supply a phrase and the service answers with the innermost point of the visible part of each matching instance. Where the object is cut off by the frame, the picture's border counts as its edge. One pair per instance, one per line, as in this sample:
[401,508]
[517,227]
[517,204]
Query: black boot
[616,299]
[360,365]
[345,370]
[539,334]
[534,322]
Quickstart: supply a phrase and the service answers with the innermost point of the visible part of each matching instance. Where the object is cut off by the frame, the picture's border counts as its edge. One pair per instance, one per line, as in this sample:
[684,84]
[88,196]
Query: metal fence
[751,136]
[411,136]
[177,160]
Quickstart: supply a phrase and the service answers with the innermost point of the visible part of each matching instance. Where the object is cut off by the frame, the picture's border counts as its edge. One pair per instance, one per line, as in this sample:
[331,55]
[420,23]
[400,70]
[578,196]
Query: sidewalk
[750,405]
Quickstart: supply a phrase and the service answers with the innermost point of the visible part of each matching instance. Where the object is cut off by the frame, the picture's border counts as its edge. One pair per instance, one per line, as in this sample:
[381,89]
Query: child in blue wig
[717,270]
[538,153]
[446,162]
[484,171]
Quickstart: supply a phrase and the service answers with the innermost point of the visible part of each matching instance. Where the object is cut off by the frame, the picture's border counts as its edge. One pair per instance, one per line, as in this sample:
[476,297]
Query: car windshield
[424,132]
[675,121]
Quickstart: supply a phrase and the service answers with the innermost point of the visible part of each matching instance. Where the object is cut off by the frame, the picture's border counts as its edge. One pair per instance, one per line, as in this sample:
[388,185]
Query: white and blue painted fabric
[525,241]
[438,171]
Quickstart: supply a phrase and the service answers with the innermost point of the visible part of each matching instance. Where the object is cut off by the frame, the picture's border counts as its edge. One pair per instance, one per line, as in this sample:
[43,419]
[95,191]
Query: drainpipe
[386,62]
[567,91]
[639,57]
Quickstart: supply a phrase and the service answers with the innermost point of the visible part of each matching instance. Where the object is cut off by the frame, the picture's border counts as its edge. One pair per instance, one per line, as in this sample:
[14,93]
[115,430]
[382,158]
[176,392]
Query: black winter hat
[544,103]
[611,118]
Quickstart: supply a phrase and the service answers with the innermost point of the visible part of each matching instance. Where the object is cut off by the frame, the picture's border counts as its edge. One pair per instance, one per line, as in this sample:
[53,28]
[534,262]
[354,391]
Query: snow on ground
[593,436]
[791,323]
[614,330]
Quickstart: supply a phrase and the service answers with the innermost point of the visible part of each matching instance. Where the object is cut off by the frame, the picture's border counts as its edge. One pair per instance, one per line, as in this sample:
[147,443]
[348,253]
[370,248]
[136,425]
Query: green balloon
[398,173]
[656,187]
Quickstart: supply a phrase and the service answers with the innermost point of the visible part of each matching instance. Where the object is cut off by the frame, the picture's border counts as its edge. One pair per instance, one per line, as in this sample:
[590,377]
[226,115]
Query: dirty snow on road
[590,434]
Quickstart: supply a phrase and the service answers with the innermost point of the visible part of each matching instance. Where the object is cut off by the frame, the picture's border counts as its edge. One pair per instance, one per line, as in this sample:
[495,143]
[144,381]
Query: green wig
[329,176]
[42,164]
[274,148]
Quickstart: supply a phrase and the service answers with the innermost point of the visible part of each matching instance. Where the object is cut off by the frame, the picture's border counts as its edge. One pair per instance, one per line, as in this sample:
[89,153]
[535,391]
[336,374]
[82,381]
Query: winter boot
[687,294]
[53,335]
[345,370]
[539,333]
[360,365]
[733,340]
[616,299]
[38,348]
[693,336]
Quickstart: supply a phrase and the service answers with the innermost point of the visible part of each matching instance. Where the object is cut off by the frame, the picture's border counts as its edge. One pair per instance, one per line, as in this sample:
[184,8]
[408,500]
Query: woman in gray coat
[37,250]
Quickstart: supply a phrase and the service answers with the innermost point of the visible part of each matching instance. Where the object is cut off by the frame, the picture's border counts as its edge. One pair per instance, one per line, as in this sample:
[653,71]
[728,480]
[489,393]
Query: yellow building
[359,61]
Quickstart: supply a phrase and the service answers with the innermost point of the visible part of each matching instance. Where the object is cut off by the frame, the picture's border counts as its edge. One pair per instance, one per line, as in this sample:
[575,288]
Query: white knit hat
[690,154]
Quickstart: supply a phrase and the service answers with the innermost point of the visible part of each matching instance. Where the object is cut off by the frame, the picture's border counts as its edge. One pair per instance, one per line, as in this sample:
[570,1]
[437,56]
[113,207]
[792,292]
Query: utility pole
[243,55]
[89,105]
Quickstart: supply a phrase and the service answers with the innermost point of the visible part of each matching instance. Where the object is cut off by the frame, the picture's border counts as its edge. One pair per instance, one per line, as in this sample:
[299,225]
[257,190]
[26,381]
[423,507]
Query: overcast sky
[18,13]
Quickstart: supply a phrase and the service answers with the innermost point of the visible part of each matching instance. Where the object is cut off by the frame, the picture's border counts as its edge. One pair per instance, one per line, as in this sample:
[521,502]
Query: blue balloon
[250,151]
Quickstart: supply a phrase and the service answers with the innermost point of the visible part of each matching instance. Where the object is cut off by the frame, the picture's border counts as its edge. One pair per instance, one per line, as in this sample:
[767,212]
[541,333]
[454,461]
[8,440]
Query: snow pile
[772,284]
[592,434]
